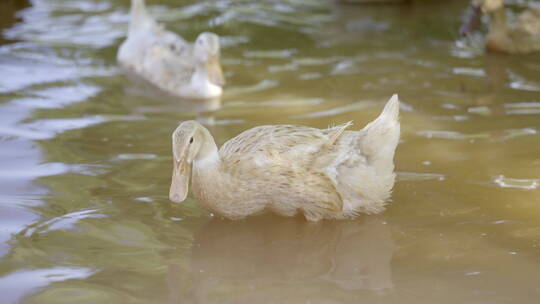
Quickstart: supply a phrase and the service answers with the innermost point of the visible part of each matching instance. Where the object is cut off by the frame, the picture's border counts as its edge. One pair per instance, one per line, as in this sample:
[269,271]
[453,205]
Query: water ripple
[517,183]
[496,136]
[17,73]
[17,285]
[476,72]
[49,128]
[416,176]
[523,108]
[442,134]
[50,169]
[274,54]
[39,24]
[261,86]
[356,106]
[65,222]
[59,97]
[519,83]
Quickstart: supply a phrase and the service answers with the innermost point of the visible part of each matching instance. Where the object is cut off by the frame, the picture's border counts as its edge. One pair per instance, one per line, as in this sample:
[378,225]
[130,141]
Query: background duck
[520,37]
[168,61]
[325,174]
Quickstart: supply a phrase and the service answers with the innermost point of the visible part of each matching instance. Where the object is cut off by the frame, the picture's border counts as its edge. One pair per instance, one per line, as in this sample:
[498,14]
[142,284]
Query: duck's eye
[191,140]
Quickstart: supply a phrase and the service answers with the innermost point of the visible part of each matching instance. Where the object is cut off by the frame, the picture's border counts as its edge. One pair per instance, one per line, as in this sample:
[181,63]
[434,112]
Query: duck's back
[271,141]
[521,37]
[167,66]
[154,52]
[277,148]
[282,167]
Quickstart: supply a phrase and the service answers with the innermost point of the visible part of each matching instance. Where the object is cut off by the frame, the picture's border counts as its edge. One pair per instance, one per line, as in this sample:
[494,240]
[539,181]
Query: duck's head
[190,142]
[488,6]
[207,52]
[479,7]
[185,146]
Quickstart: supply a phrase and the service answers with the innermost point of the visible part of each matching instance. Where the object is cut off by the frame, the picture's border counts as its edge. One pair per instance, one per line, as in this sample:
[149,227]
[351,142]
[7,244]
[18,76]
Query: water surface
[85,158]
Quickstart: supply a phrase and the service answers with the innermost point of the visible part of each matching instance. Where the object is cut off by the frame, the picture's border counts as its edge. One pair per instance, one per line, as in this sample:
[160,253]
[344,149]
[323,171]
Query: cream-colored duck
[325,174]
[520,37]
[168,61]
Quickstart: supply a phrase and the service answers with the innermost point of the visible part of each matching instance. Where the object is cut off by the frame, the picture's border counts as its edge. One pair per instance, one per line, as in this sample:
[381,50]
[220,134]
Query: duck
[163,58]
[332,173]
[520,37]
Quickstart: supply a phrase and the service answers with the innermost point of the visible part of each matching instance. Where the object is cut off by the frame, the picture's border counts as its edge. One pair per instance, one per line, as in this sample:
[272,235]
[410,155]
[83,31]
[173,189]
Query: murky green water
[85,158]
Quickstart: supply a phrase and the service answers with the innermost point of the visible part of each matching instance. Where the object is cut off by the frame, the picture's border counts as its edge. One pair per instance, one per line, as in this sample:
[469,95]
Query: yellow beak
[214,71]
[180,181]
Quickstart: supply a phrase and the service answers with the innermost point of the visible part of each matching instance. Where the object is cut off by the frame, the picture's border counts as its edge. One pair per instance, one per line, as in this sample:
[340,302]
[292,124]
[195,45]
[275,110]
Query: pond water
[85,158]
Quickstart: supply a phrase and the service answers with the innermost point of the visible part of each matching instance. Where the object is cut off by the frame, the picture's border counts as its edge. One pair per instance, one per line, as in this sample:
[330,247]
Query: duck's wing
[334,133]
[279,142]
[528,24]
[169,64]
[173,41]
[274,140]
[148,41]
[287,157]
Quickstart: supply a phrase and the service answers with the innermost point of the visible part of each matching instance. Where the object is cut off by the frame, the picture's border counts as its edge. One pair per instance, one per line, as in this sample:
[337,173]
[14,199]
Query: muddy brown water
[85,158]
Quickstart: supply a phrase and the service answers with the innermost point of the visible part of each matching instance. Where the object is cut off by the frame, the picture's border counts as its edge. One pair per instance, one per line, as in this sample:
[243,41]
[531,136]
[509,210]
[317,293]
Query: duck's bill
[472,21]
[180,181]
[215,73]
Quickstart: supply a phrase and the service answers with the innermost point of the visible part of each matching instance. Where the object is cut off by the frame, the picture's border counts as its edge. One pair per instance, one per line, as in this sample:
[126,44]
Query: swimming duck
[325,174]
[166,60]
[520,37]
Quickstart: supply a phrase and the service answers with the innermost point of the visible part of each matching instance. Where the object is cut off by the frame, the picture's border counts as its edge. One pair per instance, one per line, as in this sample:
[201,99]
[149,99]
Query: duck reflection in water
[270,258]
[163,102]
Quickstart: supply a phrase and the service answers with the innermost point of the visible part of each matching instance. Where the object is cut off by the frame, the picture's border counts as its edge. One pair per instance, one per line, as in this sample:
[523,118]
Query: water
[85,158]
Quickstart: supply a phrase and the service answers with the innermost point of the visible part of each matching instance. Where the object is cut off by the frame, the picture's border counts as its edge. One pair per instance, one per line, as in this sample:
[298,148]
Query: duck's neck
[498,22]
[208,157]
[207,180]
[499,38]
[201,74]
[201,84]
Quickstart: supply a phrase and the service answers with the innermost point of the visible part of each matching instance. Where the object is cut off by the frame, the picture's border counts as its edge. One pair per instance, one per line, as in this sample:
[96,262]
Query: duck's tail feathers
[378,140]
[138,8]
[390,113]
[139,17]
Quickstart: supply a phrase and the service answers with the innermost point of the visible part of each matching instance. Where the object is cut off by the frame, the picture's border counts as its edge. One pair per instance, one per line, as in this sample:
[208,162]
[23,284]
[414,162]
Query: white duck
[168,61]
[326,174]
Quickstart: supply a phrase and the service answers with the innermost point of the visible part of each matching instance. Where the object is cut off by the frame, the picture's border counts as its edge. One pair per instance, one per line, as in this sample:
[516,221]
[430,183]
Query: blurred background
[85,157]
